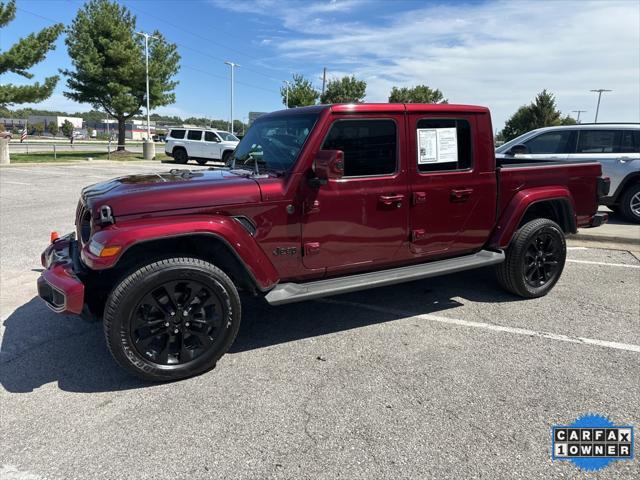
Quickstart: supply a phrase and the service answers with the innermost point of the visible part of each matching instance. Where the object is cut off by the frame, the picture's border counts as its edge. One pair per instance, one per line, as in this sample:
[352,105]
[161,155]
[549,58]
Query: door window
[369,146]
[443,144]
[597,141]
[177,134]
[630,142]
[210,137]
[551,142]
[194,135]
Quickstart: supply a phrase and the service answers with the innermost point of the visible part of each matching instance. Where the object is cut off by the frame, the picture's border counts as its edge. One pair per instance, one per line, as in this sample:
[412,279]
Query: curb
[605,239]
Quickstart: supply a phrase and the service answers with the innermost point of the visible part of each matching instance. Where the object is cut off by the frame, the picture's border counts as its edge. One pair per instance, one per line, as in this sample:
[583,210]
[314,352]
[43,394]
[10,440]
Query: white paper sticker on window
[437,145]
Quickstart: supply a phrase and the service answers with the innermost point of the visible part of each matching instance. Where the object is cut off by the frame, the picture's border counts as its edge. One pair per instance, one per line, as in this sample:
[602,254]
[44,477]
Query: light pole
[146,59]
[578,112]
[599,91]
[286,90]
[233,66]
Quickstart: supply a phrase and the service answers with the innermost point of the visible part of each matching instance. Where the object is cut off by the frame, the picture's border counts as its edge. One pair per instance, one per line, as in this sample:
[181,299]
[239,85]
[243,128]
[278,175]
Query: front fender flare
[240,242]
[518,206]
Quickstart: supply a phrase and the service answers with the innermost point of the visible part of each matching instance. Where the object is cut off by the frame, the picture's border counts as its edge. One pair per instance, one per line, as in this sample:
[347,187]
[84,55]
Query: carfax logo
[592,442]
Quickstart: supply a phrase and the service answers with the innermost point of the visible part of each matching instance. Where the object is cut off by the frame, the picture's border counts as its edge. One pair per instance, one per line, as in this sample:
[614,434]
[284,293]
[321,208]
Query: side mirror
[519,150]
[328,165]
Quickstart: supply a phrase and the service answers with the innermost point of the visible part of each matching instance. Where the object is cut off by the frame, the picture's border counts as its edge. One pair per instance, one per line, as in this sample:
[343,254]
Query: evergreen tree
[22,56]
[109,65]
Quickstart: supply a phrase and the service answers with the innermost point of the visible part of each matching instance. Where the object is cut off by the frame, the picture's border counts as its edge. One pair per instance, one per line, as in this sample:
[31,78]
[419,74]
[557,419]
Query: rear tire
[630,203]
[534,260]
[180,155]
[172,319]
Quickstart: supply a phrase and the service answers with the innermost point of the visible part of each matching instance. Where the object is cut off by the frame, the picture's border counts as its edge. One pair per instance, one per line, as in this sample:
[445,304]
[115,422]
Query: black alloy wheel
[534,260]
[541,259]
[176,322]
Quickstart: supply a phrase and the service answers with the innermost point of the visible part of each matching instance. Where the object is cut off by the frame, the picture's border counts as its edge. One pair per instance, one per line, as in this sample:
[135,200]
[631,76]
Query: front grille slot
[83,223]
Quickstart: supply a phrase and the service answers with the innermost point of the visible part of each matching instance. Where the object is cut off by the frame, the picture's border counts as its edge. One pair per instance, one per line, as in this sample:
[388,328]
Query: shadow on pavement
[40,347]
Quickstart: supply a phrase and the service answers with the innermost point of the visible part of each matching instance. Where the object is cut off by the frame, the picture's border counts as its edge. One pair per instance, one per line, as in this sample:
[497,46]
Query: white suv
[201,144]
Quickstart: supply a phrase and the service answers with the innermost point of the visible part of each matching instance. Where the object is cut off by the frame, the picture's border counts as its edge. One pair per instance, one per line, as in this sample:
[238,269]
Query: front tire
[630,203]
[226,158]
[172,319]
[534,260]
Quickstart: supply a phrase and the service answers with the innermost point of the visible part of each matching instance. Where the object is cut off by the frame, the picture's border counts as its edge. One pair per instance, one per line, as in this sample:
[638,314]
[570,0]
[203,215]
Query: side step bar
[296,292]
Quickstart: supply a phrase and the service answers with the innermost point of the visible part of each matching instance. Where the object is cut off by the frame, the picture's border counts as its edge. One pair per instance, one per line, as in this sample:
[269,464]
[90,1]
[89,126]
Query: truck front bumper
[59,285]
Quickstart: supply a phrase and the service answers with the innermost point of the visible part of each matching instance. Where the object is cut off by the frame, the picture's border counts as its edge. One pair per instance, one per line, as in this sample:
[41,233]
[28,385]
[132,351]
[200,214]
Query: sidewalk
[616,231]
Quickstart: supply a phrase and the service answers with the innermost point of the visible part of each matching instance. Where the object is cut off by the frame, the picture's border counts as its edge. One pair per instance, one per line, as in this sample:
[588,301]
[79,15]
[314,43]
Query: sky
[494,53]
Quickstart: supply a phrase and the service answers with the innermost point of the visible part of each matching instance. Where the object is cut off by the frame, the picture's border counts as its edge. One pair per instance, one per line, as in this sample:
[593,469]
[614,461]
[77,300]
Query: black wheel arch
[559,210]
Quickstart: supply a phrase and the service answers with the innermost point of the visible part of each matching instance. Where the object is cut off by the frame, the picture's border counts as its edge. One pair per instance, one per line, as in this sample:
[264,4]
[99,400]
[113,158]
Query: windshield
[274,143]
[228,137]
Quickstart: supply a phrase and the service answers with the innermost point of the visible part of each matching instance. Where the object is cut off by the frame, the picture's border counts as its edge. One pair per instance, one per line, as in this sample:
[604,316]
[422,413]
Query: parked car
[615,146]
[201,144]
[319,201]
[6,135]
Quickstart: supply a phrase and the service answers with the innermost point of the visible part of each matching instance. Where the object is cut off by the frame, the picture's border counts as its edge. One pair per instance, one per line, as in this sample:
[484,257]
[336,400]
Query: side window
[179,134]
[369,146]
[597,141]
[551,142]
[443,144]
[630,141]
[194,135]
[210,137]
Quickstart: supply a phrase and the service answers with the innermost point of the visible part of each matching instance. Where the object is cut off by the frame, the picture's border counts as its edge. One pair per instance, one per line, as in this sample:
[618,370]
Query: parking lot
[443,378]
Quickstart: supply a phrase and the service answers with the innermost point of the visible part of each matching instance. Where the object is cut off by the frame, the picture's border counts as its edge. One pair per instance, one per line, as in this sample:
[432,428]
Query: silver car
[615,146]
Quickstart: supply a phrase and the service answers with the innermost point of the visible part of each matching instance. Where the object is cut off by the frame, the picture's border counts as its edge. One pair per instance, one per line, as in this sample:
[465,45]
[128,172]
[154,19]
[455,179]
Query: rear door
[194,143]
[360,220]
[453,183]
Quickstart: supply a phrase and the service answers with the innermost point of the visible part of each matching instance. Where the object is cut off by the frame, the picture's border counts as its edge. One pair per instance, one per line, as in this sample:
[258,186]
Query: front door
[453,184]
[360,220]
[211,146]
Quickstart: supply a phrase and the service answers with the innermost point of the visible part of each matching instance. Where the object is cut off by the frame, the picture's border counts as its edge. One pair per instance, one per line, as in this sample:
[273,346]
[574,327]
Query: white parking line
[590,262]
[15,183]
[490,326]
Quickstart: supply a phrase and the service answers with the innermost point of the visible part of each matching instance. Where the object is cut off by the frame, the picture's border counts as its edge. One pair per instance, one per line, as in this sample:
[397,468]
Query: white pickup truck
[201,144]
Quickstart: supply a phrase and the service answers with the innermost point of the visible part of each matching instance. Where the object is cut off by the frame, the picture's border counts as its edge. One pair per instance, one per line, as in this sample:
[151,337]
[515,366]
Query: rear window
[194,135]
[443,144]
[177,133]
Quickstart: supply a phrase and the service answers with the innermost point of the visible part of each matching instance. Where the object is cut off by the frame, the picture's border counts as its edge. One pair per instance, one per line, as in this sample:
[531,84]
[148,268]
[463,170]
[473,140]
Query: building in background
[134,129]
[58,119]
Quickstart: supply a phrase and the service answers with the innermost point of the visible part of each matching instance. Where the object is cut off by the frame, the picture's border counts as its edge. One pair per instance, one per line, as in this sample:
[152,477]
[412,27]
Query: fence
[100,149]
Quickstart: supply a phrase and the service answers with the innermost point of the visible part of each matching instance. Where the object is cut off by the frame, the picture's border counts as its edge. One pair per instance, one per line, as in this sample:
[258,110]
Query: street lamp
[146,57]
[599,91]
[286,89]
[233,66]
[578,112]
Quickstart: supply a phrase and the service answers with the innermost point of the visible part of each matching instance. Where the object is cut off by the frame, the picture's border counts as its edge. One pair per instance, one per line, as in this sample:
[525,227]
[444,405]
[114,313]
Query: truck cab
[316,201]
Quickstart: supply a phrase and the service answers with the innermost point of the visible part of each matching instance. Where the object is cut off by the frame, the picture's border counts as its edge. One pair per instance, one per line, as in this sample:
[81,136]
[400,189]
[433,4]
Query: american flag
[23,135]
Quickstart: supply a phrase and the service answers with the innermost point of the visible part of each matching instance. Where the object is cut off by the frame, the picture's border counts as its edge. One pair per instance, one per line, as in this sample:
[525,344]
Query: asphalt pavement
[442,378]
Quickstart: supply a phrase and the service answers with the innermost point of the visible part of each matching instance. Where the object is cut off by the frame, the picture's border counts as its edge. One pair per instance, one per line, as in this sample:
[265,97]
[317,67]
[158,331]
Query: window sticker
[437,145]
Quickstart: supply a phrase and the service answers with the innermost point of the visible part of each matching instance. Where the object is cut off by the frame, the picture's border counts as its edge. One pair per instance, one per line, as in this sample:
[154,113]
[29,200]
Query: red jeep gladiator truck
[318,201]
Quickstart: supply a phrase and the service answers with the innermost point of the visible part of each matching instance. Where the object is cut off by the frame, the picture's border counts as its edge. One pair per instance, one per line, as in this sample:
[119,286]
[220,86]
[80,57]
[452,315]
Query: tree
[301,92]
[344,90]
[37,129]
[67,129]
[542,112]
[23,55]
[109,66]
[417,94]
[53,128]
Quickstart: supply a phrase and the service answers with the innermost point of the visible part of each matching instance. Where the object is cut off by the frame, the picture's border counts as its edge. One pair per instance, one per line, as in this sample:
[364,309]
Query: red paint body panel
[59,275]
[305,232]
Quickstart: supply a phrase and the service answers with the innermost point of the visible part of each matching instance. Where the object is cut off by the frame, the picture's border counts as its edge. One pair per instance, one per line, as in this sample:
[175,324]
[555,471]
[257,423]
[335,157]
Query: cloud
[495,53]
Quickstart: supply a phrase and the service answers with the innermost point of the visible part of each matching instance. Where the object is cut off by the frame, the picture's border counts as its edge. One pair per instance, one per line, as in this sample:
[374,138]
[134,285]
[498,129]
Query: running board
[296,292]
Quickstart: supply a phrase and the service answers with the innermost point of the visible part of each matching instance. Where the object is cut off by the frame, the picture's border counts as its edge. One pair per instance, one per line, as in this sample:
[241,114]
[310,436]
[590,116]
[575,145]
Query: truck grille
[83,223]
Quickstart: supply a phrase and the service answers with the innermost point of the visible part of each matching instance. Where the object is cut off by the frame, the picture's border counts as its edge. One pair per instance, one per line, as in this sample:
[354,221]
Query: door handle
[391,200]
[461,195]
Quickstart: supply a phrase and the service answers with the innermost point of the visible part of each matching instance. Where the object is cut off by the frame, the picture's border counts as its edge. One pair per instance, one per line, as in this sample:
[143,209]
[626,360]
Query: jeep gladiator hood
[177,189]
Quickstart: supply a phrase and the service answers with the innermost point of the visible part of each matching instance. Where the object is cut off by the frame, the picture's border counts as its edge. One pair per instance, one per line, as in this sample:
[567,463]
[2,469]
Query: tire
[201,161]
[534,260]
[226,157]
[630,203]
[180,155]
[614,208]
[149,341]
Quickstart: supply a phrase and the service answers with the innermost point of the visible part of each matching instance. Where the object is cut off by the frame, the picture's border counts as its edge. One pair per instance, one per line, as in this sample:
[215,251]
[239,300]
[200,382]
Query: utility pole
[599,91]
[578,112]
[286,82]
[233,66]
[324,78]
[146,59]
